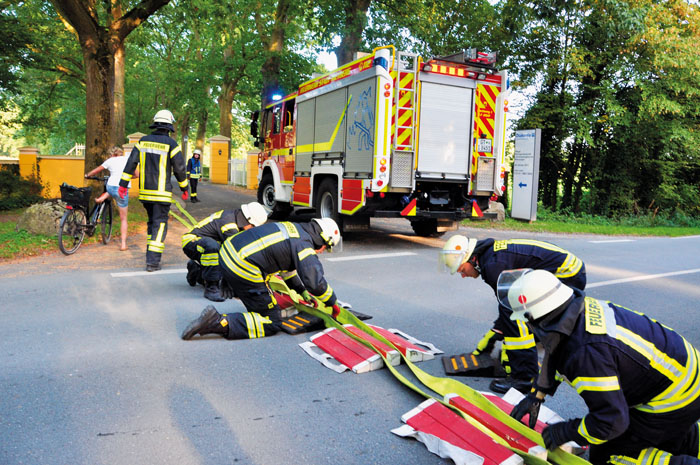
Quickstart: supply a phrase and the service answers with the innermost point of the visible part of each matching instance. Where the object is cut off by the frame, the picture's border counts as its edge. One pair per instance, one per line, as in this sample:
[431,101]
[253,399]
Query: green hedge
[17,192]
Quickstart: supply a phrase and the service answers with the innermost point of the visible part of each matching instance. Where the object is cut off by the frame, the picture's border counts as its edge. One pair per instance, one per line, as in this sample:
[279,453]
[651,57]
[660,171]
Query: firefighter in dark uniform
[202,243]
[194,172]
[248,259]
[158,155]
[640,379]
[488,258]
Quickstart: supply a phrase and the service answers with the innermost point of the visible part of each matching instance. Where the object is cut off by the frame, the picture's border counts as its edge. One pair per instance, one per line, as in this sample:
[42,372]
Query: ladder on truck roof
[404,119]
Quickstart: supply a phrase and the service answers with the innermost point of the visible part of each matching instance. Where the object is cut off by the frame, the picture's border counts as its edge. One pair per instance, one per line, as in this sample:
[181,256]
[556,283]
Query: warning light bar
[449,70]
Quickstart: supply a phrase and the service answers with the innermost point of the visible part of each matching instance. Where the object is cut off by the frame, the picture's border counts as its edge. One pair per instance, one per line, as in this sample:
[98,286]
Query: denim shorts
[114,192]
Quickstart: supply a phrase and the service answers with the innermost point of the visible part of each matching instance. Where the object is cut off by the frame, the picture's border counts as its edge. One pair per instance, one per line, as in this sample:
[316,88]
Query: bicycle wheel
[106,226]
[71,231]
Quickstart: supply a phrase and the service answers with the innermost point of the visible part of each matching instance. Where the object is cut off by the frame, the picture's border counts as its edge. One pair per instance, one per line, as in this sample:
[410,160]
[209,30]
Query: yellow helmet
[456,251]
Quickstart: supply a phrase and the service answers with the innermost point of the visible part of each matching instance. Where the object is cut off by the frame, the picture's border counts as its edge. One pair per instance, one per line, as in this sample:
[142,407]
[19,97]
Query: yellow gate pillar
[28,166]
[219,155]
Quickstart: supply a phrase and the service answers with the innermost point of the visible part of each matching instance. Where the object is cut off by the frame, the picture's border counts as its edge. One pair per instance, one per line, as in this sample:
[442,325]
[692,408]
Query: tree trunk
[274,47]
[225,103]
[201,130]
[119,107]
[99,109]
[355,23]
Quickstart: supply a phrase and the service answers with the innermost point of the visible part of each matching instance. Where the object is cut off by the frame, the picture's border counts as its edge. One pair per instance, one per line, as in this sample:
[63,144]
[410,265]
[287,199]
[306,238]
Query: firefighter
[158,155]
[640,379]
[488,258]
[248,259]
[194,172]
[202,243]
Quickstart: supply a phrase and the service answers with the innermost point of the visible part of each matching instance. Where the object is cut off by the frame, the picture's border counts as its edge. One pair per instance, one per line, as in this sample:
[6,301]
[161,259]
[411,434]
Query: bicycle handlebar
[98,178]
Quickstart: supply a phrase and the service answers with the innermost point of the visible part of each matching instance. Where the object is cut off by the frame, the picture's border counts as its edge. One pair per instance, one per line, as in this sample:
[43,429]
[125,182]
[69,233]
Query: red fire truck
[388,135]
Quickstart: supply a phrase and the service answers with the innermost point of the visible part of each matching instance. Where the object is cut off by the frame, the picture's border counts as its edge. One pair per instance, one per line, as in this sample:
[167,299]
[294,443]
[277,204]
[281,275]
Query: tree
[100,37]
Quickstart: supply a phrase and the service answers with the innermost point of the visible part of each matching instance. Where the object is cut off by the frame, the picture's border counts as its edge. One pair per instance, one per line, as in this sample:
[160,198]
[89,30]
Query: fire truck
[388,135]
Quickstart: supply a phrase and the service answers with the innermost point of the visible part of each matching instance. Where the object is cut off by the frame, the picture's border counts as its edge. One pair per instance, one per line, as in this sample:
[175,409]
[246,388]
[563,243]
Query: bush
[17,192]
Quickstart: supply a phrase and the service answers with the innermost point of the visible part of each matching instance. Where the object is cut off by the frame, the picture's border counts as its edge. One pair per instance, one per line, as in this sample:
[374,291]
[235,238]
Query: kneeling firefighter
[248,259]
[640,379]
[202,243]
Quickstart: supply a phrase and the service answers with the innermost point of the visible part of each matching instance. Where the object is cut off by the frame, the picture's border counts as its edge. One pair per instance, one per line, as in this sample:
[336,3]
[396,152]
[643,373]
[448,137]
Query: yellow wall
[55,170]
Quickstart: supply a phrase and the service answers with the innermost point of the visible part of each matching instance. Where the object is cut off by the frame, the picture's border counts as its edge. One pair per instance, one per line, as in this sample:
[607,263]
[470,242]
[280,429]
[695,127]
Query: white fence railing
[237,172]
[78,150]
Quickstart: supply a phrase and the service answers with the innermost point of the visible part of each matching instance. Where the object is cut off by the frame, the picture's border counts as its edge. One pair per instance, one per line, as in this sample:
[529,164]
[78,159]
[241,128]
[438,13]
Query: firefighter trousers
[518,350]
[650,435]
[263,317]
[205,250]
[193,187]
[156,231]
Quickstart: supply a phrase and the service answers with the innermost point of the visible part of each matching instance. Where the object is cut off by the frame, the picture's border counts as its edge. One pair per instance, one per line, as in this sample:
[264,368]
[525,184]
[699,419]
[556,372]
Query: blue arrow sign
[522,185]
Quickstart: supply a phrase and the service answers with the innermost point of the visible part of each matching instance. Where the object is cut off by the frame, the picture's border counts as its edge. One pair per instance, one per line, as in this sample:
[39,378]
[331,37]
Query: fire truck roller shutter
[359,150]
[306,112]
[444,144]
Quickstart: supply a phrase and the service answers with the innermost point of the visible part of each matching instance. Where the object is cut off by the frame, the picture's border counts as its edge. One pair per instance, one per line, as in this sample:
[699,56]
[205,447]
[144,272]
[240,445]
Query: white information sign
[526,174]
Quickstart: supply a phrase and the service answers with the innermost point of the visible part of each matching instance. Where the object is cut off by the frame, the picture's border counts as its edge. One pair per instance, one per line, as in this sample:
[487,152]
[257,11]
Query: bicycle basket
[76,196]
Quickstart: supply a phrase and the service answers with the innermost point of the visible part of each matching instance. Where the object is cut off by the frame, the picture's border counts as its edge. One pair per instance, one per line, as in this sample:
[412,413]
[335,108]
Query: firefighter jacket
[194,168]
[218,226]
[618,361]
[497,256]
[287,248]
[159,156]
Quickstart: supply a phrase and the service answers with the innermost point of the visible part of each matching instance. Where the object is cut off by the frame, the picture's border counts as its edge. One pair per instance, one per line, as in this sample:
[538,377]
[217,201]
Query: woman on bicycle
[115,165]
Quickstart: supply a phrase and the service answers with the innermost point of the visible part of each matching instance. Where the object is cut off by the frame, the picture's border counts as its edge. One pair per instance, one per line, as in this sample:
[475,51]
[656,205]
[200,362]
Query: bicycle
[74,223]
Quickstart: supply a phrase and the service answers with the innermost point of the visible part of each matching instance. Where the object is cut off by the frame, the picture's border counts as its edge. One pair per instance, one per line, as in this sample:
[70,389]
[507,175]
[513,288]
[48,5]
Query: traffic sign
[526,171]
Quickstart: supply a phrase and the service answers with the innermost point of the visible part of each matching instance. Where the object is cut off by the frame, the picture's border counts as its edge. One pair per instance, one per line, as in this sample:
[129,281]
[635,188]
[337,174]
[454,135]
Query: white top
[115,165]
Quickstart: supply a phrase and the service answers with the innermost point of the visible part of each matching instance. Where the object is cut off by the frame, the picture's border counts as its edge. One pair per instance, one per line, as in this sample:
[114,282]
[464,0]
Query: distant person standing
[159,156]
[115,165]
[194,172]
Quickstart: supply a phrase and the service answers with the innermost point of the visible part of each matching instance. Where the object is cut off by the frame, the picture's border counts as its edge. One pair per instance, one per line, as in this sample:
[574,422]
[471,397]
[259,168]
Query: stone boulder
[499,209]
[42,218]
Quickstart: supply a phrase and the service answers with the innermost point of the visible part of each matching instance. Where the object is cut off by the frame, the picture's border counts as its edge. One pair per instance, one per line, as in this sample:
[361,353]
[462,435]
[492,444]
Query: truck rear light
[369,193]
[382,168]
[382,194]
[382,161]
[387,93]
[387,86]
[380,183]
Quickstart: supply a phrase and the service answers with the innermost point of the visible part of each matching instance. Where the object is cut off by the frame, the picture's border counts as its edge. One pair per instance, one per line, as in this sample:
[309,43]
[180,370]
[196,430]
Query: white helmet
[330,232]
[164,116]
[197,152]
[456,251]
[255,213]
[531,294]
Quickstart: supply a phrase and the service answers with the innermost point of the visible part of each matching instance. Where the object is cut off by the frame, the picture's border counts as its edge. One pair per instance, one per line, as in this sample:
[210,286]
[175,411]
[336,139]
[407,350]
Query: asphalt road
[93,371]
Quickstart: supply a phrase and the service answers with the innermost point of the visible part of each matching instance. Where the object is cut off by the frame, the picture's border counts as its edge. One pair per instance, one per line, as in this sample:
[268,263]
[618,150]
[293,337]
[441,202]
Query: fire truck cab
[388,135]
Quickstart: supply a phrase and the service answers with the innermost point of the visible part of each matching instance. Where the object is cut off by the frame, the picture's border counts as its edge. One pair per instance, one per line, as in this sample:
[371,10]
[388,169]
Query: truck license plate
[483,145]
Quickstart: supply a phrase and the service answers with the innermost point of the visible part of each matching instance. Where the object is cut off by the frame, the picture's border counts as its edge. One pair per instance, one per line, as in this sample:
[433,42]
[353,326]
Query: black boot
[212,291]
[209,322]
[193,272]
[503,385]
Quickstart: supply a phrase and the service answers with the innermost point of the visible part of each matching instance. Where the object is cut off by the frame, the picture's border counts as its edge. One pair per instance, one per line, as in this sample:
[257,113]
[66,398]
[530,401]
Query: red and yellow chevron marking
[484,119]
[405,109]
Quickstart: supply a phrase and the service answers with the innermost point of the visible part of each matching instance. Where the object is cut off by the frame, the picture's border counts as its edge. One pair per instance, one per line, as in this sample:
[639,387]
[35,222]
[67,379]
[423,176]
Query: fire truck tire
[426,227]
[327,201]
[266,196]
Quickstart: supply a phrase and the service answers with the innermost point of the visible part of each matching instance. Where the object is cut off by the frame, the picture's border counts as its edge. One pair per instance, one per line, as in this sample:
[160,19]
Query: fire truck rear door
[445,138]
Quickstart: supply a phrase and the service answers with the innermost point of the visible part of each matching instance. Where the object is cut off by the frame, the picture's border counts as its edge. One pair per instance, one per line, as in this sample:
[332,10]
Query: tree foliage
[613,84]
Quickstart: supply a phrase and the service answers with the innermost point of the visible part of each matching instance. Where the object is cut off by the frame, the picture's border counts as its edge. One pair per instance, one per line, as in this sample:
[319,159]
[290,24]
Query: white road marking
[642,278]
[129,274]
[686,237]
[611,241]
[370,256]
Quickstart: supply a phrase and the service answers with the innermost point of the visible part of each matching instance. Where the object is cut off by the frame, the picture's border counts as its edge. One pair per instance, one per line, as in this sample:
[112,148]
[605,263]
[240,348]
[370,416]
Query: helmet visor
[330,248]
[450,260]
[507,282]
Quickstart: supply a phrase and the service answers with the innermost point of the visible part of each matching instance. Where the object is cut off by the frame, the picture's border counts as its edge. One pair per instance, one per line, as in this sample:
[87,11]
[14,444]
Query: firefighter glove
[556,435]
[485,345]
[529,405]
[336,311]
[226,290]
[185,195]
[122,192]
[311,300]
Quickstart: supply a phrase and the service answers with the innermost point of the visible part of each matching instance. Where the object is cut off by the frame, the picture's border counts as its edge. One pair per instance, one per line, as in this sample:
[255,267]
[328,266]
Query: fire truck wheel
[266,196]
[426,227]
[327,201]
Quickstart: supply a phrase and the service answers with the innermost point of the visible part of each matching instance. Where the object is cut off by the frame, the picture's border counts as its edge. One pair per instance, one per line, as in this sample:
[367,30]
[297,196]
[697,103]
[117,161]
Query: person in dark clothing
[194,172]
[488,258]
[202,243]
[247,261]
[159,156]
[639,378]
